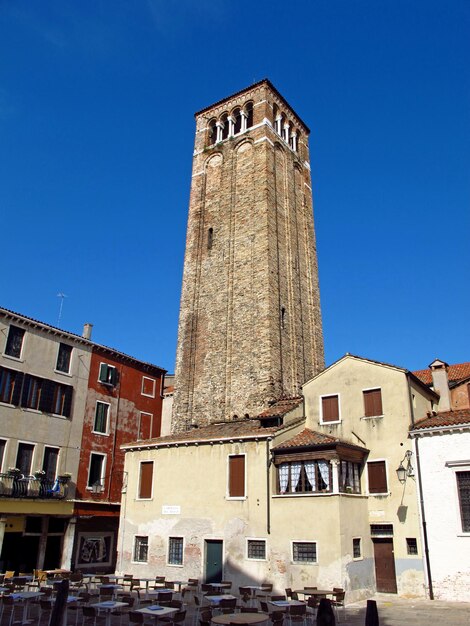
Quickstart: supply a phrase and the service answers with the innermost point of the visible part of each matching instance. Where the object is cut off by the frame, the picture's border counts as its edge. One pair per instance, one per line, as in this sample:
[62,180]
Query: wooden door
[213,561]
[385,566]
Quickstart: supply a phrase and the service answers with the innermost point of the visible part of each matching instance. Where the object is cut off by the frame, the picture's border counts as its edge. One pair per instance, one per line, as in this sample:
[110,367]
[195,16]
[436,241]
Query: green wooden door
[213,560]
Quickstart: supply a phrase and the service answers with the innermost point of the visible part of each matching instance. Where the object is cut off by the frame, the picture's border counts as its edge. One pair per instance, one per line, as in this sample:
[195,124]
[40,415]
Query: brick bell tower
[250,327]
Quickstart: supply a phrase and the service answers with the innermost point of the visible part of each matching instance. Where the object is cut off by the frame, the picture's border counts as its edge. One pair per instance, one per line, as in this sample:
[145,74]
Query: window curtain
[295,474]
[310,471]
[324,468]
[283,477]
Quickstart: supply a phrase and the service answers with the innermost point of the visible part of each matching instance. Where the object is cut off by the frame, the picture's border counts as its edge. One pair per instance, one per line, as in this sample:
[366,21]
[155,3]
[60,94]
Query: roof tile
[459,371]
[442,419]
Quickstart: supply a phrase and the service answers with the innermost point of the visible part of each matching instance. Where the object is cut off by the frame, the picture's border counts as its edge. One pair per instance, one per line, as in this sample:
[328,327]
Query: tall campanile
[250,328]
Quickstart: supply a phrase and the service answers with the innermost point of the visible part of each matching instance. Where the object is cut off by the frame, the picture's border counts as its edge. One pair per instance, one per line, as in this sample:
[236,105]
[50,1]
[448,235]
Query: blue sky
[96,138]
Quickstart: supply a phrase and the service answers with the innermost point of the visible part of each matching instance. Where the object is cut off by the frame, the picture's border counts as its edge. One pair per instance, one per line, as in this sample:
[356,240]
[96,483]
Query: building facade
[250,327]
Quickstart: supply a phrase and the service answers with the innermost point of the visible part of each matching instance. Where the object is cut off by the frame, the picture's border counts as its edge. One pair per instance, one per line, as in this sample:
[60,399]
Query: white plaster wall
[449,547]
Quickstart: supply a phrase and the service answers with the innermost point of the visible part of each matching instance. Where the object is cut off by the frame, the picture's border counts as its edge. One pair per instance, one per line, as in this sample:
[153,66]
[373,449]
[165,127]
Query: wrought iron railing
[19,486]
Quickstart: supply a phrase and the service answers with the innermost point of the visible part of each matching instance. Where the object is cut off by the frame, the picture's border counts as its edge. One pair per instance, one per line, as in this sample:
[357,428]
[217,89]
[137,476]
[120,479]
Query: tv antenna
[62,297]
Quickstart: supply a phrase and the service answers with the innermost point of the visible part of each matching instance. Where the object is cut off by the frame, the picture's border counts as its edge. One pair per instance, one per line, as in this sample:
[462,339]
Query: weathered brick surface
[250,323]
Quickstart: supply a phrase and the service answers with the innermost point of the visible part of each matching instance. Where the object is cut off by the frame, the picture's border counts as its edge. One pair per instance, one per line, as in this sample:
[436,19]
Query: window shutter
[47,396]
[237,476]
[68,401]
[17,388]
[146,476]
[377,477]
[25,393]
[330,409]
[373,402]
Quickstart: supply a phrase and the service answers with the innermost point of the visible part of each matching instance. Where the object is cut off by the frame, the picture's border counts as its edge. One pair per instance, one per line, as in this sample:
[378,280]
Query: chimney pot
[87,328]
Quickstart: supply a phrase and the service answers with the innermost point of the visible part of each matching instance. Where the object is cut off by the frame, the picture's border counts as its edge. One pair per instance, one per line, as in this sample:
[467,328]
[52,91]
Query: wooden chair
[135,617]
[338,601]
[91,617]
[266,589]
[277,618]
[298,614]
[177,618]
[277,598]
[11,607]
[124,610]
[45,608]
[164,598]
[227,606]
[205,618]
[249,609]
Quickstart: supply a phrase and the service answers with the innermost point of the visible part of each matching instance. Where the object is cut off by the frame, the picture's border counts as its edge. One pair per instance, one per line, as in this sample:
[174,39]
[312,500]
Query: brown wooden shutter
[373,402]
[237,476]
[146,476]
[145,424]
[377,477]
[330,409]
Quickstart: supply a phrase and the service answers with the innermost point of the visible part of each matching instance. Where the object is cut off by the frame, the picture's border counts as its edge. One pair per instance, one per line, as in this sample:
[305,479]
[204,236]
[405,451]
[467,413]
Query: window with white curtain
[312,476]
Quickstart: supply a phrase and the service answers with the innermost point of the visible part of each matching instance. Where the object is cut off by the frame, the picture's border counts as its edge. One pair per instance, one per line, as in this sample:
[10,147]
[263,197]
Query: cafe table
[215,600]
[26,597]
[315,592]
[156,611]
[240,618]
[111,588]
[107,607]
[285,604]
[220,586]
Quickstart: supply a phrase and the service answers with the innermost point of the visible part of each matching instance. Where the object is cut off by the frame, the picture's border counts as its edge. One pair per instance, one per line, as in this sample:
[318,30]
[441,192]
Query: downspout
[111,471]
[268,494]
[421,500]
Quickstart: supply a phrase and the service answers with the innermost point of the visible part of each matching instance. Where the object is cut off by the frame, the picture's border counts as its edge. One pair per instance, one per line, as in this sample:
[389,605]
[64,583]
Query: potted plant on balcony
[39,474]
[64,478]
[14,471]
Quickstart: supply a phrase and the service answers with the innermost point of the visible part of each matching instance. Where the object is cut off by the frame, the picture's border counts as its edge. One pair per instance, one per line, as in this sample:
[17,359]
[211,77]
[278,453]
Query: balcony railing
[19,486]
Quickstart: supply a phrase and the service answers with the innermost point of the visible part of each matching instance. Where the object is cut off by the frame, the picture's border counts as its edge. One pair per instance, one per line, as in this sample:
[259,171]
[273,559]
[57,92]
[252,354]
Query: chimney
[87,328]
[440,383]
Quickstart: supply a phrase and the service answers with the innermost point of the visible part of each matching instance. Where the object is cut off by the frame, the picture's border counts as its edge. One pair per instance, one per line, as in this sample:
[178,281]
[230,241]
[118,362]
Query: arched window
[238,121]
[224,120]
[212,135]
[293,138]
[275,114]
[249,114]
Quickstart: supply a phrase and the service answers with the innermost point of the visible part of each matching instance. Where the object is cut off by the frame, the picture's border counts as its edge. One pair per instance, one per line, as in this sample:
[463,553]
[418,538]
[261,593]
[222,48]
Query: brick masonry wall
[250,323]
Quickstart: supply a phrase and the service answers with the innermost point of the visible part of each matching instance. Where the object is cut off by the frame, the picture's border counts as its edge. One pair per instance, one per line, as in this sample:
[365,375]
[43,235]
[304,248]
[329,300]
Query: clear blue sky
[96,139]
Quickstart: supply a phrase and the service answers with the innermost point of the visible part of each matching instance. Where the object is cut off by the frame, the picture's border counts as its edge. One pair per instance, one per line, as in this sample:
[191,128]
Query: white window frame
[251,558]
[168,551]
[134,546]
[140,422]
[153,381]
[328,395]
[228,496]
[108,414]
[293,541]
[18,359]
[103,471]
[71,359]
[58,456]
[361,557]
[2,461]
[455,467]
[382,493]
[139,480]
[372,417]
[102,382]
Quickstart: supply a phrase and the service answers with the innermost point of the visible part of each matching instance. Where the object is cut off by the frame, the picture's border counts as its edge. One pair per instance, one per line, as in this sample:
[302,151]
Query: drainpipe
[268,495]
[421,500]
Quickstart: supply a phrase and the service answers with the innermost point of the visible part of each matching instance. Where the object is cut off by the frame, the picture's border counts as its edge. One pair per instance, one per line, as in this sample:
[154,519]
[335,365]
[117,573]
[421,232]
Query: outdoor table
[240,618]
[111,587]
[315,592]
[109,606]
[217,599]
[178,583]
[220,586]
[157,611]
[26,596]
[284,605]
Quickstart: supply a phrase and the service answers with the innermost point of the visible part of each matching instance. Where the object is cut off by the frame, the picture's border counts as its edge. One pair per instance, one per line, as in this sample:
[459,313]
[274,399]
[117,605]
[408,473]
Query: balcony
[19,486]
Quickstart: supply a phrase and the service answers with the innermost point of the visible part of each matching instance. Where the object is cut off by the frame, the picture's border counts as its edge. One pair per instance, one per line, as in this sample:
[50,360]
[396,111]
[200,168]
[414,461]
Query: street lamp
[404,472]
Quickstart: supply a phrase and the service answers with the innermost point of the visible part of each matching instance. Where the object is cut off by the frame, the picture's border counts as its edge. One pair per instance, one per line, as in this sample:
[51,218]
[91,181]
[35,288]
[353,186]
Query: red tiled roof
[459,371]
[281,407]
[307,438]
[443,419]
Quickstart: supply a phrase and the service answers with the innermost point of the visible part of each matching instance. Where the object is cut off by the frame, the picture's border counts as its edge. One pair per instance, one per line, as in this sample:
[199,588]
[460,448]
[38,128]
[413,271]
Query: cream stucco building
[306,493]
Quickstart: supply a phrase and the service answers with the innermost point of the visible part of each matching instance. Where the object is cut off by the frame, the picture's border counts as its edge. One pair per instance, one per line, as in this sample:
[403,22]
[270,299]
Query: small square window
[148,387]
[175,551]
[14,343]
[304,552]
[330,408]
[357,548]
[141,549]
[411,545]
[63,358]
[256,549]
[101,418]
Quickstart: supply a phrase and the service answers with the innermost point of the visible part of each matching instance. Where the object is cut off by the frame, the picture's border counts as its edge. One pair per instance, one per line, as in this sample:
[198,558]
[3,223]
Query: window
[311,476]
[304,552]
[10,386]
[63,358]
[47,396]
[463,487]
[377,475]
[148,387]
[372,402]
[146,478]
[145,426]
[101,418]
[49,463]
[96,471]
[381,530]
[330,409]
[175,551]
[3,445]
[32,392]
[60,401]
[349,473]
[24,458]
[236,476]
[411,545]
[256,549]
[141,549]
[357,548]
[108,374]
[14,343]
